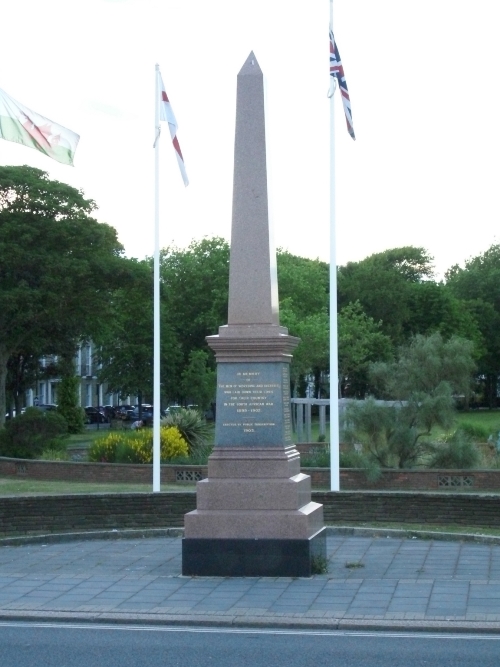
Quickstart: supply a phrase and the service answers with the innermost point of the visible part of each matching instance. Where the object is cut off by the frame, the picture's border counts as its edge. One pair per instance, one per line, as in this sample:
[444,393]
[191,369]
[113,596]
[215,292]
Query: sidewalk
[372,582]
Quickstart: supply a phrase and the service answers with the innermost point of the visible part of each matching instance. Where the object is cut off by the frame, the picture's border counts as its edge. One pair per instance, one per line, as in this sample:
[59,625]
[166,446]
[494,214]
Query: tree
[23,369]
[435,308]
[303,284]
[126,346]
[310,357]
[68,406]
[199,380]
[422,382]
[478,287]
[58,266]
[360,343]
[383,284]
[195,286]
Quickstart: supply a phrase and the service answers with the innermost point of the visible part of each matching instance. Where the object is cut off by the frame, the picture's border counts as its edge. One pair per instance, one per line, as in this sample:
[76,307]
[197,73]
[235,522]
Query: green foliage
[58,267]
[360,343]
[137,446]
[475,432]
[67,407]
[303,284]
[458,452]
[319,565]
[195,285]
[192,426]
[383,284]
[422,381]
[54,454]
[424,364]
[312,353]
[29,434]
[477,285]
[319,458]
[359,460]
[126,345]
[199,380]
[103,450]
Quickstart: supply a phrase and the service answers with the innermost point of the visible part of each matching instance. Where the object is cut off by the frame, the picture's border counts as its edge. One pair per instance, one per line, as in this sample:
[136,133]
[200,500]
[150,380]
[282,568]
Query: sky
[423,82]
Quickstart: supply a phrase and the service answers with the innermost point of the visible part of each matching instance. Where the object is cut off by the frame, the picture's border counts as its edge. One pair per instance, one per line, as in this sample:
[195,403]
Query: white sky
[423,80]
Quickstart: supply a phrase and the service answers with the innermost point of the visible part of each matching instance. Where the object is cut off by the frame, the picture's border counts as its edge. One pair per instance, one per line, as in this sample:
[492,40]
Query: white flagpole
[334,363]
[156,298]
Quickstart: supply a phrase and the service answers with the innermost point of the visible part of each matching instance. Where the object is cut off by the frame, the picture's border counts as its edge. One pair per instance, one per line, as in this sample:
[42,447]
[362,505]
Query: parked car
[146,415]
[94,416]
[46,407]
[110,411]
[172,409]
[124,412]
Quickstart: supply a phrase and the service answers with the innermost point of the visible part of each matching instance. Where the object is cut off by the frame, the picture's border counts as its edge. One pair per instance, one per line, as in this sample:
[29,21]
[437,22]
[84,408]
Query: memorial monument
[254,513]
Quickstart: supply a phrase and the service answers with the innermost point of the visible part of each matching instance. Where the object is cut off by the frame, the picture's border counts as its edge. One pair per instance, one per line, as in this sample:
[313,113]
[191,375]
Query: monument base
[205,557]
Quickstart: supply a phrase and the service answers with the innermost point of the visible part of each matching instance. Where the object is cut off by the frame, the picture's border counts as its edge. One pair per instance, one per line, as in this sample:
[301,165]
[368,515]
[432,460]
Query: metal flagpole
[334,363]
[156,298]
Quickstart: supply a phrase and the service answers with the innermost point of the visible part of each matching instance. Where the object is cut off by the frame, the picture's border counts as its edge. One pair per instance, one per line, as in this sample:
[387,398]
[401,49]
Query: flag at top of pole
[167,114]
[26,127]
[337,76]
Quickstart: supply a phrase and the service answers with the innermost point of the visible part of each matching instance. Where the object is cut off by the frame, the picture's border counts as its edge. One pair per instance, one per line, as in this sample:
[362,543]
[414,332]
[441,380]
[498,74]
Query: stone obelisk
[254,513]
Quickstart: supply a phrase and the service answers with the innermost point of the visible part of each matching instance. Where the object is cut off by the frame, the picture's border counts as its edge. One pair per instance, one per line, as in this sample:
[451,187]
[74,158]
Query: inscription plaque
[253,404]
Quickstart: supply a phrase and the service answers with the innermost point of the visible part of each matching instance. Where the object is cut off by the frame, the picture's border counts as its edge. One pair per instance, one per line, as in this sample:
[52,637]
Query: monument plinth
[254,513]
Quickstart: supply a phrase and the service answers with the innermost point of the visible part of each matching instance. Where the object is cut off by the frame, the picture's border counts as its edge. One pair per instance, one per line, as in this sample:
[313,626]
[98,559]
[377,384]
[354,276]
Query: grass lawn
[489,419]
[10,486]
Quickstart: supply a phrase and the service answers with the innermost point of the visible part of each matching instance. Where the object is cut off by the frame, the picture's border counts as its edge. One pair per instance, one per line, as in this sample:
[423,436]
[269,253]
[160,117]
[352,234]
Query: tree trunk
[491,389]
[139,398]
[4,358]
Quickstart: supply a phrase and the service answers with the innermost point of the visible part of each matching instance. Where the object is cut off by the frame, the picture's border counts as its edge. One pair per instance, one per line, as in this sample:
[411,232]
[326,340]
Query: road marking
[252,631]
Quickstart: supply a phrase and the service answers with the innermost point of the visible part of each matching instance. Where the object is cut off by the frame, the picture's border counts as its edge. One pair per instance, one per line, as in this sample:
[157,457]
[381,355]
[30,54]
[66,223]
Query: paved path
[371,582]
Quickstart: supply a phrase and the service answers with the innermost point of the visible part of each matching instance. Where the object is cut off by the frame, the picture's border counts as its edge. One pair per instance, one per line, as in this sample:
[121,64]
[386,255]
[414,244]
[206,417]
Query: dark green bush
[126,453]
[26,436]
[192,426]
[319,458]
[458,452]
[68,403]
[475,432]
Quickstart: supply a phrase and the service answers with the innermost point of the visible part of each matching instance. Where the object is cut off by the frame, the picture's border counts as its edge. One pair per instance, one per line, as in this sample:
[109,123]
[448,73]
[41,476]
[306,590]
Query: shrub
[319,458]
[29,434]
[475,432]
[192,426]
[354,459]
[138,446]
[51,454]
[68,403]
[458,452]
[103,450]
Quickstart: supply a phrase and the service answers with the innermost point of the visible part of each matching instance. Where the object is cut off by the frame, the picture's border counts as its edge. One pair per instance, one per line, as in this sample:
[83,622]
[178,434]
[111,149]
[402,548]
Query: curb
[258,622]
[134,533]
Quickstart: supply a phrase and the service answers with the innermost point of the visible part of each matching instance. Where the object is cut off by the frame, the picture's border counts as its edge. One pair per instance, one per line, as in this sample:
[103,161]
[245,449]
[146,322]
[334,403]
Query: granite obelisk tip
[251,66]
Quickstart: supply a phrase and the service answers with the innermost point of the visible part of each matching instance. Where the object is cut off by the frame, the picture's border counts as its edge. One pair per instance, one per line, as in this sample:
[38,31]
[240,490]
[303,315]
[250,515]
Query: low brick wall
[31,515]
[71,471]
[350,479]
[410,480]
[464,509]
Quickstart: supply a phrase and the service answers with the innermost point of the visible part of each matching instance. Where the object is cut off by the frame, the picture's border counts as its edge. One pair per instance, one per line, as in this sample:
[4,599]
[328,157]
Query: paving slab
[375,581]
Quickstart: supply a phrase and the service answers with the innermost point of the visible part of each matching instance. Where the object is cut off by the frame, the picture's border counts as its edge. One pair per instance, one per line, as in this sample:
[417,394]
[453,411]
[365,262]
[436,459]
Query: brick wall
[73,513]
[469,509]
[350,479]
[72,471]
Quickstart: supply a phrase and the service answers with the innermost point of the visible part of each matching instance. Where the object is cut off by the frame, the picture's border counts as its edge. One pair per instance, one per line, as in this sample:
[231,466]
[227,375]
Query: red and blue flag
[338,76]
